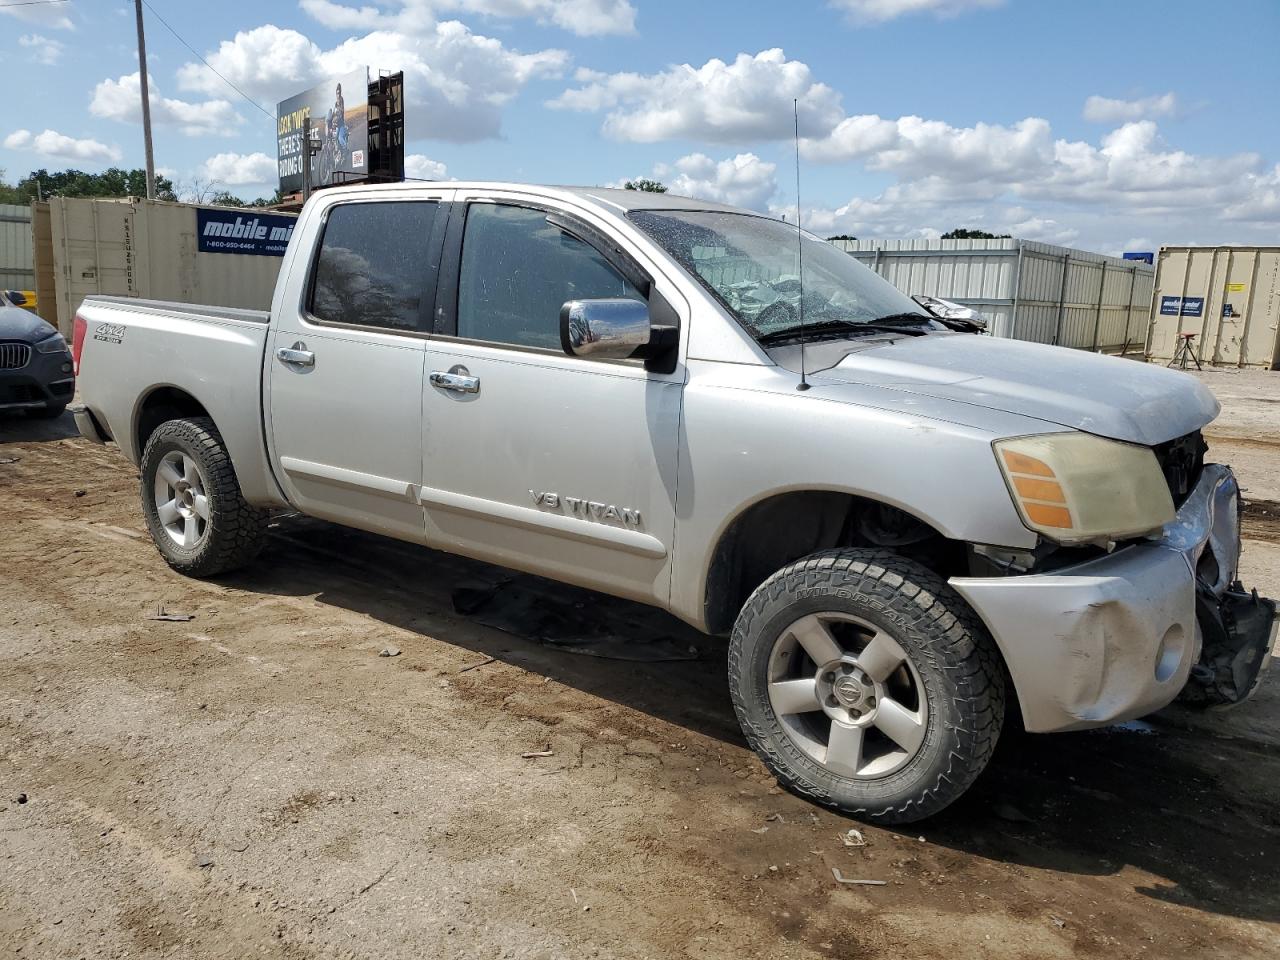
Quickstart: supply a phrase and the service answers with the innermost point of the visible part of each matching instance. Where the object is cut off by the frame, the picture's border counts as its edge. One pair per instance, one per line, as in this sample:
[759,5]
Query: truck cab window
[374,266]
[517,272]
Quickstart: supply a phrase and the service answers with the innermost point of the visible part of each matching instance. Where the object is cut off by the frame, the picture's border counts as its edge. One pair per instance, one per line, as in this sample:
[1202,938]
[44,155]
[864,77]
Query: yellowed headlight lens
[1078,488]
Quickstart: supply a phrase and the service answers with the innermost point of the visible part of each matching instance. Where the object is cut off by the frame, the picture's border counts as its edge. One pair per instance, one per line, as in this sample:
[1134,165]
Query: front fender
[748,435]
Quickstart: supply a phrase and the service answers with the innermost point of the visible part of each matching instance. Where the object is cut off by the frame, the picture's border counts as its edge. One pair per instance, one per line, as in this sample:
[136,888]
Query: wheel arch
[158,404]
[781,526]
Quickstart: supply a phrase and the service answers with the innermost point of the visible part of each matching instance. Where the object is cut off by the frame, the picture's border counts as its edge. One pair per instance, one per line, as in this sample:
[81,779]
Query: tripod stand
[1186,351]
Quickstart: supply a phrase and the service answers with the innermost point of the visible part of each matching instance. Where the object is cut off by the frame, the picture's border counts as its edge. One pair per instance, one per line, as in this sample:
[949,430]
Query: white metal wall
[1238,321]
[1027,290]
[148,249]
[16,272]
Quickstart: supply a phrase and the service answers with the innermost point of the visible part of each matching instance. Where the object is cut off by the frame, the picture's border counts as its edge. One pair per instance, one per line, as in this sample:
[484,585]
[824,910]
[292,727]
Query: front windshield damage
[751,265]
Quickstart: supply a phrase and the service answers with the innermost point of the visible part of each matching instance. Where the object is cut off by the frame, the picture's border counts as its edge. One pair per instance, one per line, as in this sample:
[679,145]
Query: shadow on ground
[22,428]
[1183,797]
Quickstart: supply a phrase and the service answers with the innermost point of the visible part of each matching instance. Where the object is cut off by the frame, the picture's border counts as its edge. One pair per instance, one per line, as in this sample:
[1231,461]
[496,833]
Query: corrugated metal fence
[16,272]
[1027,290]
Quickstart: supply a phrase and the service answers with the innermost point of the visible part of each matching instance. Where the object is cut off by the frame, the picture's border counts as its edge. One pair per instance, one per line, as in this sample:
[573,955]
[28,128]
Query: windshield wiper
[894,323]
[916,319]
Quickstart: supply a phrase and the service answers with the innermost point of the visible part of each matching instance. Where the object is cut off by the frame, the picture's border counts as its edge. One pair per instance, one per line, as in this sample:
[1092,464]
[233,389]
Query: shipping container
[1228,297]
[163,251]
[16,272]
[1025,289]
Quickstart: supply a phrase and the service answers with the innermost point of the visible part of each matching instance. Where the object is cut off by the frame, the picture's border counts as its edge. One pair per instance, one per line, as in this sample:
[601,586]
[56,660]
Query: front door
[345,367]
[533,459]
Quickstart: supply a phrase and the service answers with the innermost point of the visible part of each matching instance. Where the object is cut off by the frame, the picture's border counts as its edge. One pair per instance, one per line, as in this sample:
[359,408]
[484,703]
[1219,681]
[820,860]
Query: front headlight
[55,344]
[1077,488]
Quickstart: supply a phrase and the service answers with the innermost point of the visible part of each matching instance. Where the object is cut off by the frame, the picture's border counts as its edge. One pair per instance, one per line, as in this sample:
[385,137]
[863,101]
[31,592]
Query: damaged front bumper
[1121,636]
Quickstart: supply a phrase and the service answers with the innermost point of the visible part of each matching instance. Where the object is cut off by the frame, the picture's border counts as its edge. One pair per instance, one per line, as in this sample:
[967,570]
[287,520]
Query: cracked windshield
[751,265]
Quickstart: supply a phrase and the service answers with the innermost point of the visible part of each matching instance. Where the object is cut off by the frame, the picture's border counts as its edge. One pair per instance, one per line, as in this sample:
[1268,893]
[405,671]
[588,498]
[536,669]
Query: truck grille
[1181,461]
[13,356]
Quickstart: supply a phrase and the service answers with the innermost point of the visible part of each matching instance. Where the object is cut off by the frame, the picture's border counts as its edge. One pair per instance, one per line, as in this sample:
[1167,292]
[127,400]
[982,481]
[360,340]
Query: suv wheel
[866,684]
[197,516]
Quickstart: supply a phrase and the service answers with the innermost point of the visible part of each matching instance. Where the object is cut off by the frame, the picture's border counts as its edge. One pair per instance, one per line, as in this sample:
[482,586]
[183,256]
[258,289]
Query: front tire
[198,518]
[866,684]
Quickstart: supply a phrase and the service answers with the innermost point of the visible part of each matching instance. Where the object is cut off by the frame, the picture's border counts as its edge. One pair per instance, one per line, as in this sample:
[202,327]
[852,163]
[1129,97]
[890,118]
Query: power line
[165,23]
[31,3]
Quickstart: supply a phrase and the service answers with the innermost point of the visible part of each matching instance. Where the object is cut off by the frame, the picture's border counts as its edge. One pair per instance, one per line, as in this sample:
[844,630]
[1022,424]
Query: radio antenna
[804,383]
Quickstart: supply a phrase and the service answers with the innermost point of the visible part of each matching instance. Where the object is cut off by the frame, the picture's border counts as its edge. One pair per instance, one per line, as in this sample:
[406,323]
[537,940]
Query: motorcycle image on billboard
[337,113]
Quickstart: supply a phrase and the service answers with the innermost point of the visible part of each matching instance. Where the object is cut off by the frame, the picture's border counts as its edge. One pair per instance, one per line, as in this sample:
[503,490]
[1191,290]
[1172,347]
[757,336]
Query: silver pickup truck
[908,531]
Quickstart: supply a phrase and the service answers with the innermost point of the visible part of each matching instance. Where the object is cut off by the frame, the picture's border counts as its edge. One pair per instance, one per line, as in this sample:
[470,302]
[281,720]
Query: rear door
[534,459]
[346,365]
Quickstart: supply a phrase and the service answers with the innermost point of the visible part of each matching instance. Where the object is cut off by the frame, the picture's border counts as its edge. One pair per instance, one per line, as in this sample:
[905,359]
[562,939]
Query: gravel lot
[259,781]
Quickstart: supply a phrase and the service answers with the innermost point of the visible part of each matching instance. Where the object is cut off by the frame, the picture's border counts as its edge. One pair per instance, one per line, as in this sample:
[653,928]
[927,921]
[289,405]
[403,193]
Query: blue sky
[1105,125]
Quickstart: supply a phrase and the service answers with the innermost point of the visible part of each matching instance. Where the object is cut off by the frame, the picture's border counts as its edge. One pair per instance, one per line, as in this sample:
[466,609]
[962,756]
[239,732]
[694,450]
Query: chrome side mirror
[606,329]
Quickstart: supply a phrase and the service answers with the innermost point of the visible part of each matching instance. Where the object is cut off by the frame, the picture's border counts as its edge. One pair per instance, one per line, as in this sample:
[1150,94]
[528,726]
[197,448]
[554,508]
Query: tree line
[115,183]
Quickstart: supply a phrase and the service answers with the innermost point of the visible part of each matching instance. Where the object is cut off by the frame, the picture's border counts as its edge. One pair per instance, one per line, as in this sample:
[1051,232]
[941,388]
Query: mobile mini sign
[234,231]
[1181,306]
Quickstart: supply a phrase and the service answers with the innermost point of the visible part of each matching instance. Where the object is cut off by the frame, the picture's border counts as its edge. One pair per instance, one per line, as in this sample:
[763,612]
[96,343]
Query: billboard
[338,112]
[249,232]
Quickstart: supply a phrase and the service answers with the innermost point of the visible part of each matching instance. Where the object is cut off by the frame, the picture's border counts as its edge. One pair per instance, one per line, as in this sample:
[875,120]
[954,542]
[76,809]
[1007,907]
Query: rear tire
[198,518]
[867,684]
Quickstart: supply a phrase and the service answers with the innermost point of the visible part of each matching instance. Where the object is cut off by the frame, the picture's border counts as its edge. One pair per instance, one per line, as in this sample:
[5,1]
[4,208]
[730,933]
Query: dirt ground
[258,781]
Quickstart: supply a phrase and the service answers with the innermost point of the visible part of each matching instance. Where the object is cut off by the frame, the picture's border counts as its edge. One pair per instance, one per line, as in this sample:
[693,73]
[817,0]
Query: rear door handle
[295,357]
[457,382]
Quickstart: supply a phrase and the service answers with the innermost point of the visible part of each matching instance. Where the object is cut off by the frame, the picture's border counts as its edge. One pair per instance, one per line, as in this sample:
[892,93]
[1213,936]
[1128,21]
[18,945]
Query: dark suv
[35,364]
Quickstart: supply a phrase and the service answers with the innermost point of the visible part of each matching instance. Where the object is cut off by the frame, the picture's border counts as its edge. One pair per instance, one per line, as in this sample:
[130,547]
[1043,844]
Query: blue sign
[1181,306]
[1142,256]
[241,231]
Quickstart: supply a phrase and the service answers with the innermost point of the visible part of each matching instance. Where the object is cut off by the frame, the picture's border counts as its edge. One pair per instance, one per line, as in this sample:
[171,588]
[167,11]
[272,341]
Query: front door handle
[457,382]
[295,357]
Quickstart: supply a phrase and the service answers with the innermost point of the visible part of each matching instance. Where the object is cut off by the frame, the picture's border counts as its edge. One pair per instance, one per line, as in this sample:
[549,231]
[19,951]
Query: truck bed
[142,355]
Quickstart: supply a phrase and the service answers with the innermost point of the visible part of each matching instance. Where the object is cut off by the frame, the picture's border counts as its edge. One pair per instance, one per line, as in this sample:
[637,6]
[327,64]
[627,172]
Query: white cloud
[1019,179]
[52,16]
[1106,110]
[58,146]
[240,169]
[418,167]
[458,80]
[122,100]
[914,147]
[741,181]
[748,99]
[44,50]
[582,17]
[878,11]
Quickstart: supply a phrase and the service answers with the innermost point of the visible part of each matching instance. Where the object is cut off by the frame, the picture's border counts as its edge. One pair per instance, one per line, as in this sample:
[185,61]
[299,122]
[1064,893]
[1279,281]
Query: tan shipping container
[149,249]
[1229,297]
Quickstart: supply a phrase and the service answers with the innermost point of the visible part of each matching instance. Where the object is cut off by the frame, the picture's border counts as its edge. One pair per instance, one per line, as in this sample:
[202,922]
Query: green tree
[840,236]
[113,182]
[646,185]
[964,233]
[8,192]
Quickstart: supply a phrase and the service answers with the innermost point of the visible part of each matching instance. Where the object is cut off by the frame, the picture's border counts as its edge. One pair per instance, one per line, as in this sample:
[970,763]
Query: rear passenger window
[518,271]
[374,267]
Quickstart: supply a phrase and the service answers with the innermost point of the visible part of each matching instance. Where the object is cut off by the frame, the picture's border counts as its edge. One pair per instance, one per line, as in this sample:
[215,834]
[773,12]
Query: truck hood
[1108,396]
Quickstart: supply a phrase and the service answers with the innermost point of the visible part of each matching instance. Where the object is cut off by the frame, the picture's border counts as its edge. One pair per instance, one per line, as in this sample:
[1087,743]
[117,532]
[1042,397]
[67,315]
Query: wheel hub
[846,692]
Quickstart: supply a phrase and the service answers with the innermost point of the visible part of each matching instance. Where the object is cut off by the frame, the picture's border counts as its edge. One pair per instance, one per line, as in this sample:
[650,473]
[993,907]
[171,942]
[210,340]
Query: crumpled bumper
[1118,637]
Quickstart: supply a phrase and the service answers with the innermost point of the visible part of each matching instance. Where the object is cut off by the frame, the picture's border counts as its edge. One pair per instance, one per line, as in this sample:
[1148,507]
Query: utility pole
[146,103]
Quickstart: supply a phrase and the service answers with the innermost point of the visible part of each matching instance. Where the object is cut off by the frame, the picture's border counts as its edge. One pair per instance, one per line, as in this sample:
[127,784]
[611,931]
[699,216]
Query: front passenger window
[517,272]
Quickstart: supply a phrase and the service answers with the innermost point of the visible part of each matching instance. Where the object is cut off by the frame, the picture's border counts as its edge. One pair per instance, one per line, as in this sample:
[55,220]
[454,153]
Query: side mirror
[955,315]
[606,329]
